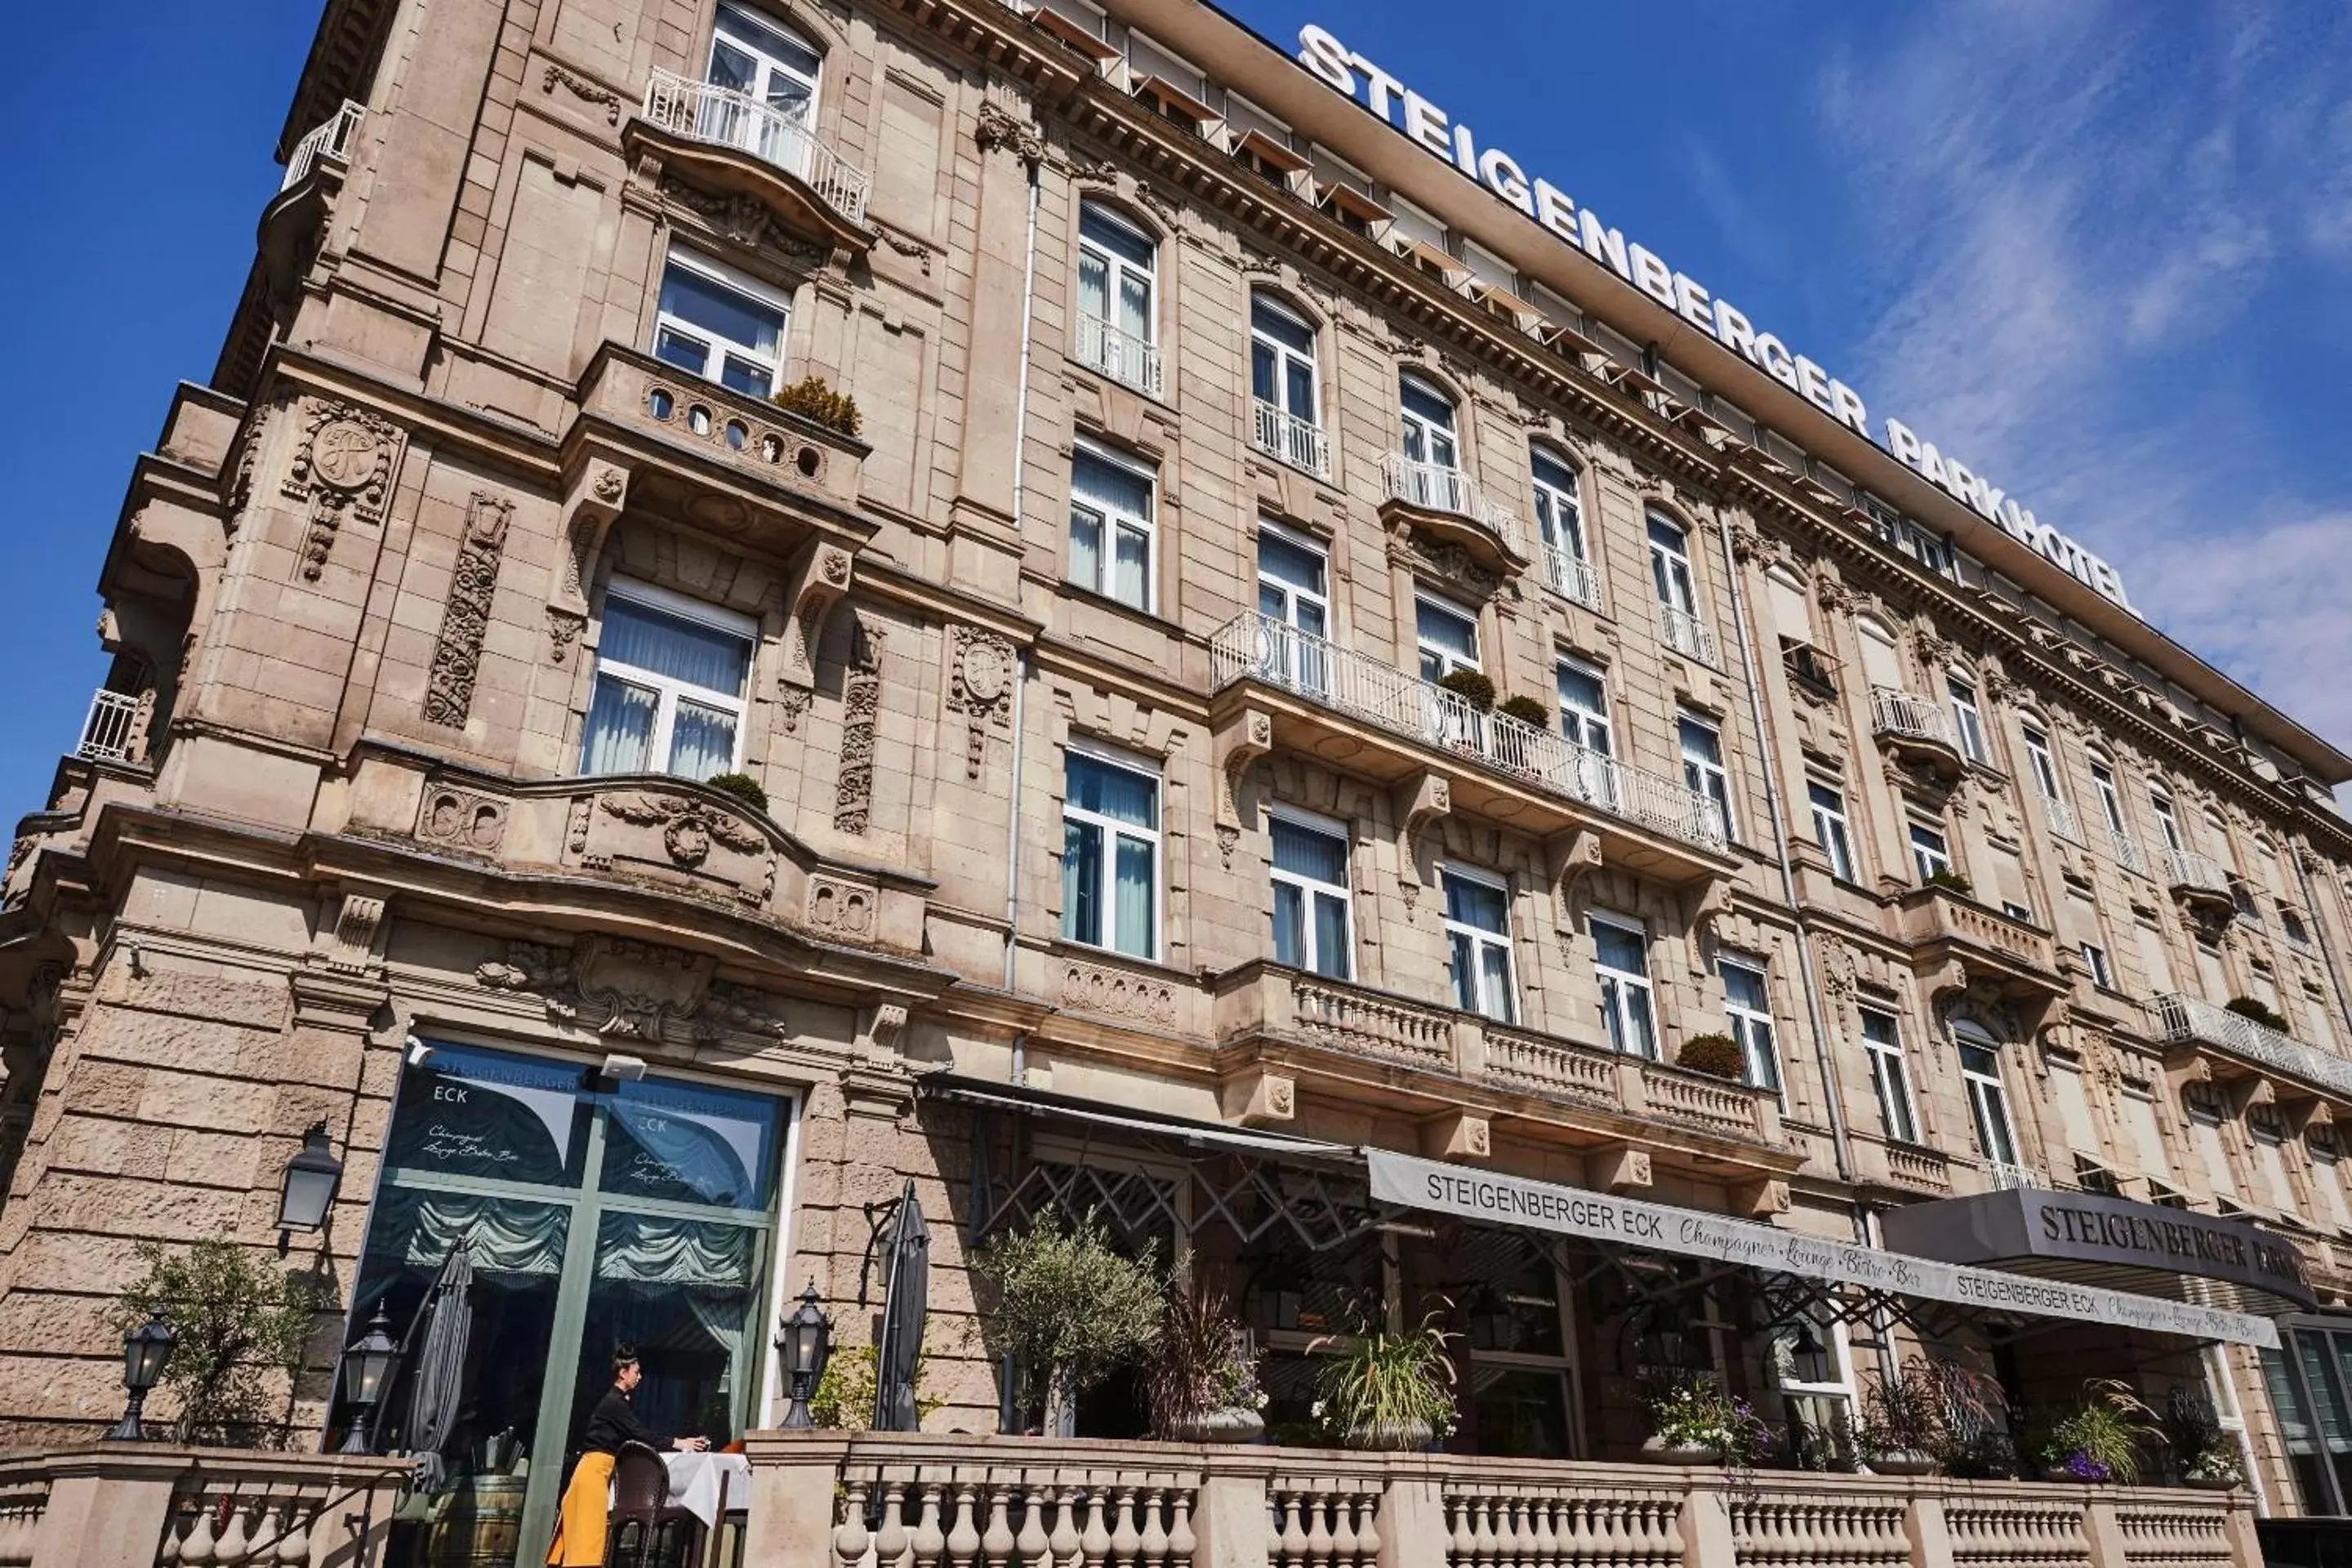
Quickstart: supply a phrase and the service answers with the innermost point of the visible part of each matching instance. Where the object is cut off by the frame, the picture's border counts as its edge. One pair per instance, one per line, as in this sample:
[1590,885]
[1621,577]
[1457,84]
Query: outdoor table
[710,1486]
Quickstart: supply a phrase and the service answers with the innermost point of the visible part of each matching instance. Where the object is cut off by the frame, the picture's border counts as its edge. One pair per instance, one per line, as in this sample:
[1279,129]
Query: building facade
[1285,651]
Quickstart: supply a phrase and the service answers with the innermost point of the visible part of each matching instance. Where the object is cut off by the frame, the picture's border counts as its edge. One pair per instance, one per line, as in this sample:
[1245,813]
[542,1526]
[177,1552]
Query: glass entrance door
[595,1214]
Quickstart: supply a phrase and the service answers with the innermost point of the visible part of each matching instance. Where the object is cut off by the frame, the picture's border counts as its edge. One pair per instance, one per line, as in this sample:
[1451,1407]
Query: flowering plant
[1696,1411]
[2099,1439]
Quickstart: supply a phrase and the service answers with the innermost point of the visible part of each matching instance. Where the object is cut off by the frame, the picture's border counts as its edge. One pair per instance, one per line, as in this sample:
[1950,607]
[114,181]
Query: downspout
[1020,656]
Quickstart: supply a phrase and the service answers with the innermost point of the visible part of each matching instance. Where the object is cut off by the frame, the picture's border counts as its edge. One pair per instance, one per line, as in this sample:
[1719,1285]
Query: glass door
[776,72]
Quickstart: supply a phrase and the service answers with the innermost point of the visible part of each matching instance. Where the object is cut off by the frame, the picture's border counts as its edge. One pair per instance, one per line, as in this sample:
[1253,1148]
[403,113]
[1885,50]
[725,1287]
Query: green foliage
[1950,881]
[239,1326]
[2201,1450]
[844,1400]
[1471,686]
[742,787]
[2099,1438]
[812,398]
[1527,711]
[1688,1410]
[1385,1383]
[1717,1055]
[2261,1012]
[1067,1305]
[1202,1363]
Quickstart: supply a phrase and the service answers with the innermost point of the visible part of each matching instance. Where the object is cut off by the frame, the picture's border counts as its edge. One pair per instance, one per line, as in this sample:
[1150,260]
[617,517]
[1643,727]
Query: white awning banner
[1497,1199]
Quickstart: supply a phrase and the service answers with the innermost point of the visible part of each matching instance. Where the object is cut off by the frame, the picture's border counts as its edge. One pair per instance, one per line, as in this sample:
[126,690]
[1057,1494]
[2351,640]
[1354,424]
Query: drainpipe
[1020,656]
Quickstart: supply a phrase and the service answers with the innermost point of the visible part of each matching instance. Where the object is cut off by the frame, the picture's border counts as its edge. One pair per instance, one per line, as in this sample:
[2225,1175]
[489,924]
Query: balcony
[1443,501]
[1917,731]
[2001,1177]
[1534,780]
[1121,355]
[2126,851]
[784,159]
[1572,577]
[110,733]
[1285,437]
[1687,634]
[2061,818]
[2200,883]
[1976,945]
[328,142]
[2193,1021]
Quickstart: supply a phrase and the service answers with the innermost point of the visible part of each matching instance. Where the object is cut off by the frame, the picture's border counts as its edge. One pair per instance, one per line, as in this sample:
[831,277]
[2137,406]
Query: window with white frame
[2094,958]
[1808,1363]
[1967,720]
[1112,530]
[1560,516]
[2327,1179]
[1750,1010]
[716,324]
[1428,419]
[1930,853]
[1110,852]
[2148,1134]
[1987,1096]
[1311,899]
[1830,829]
[1478,943]
[2205,1129]
[773,69]
[1288,417]
[670,680]
[1584,706]
[2041,763]
[1883,1041]
[1702,746]
[1621,955]
[1294,605]
[2111,801]
[2269,1140]
[2166,822]
[1670,566]
[1118,290]
[1446,637]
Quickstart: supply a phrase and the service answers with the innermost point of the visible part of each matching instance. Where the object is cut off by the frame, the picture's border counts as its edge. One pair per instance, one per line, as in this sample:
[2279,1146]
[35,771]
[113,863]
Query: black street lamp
[367,1368]
[803,1345]
[309,1182]
[145,1350]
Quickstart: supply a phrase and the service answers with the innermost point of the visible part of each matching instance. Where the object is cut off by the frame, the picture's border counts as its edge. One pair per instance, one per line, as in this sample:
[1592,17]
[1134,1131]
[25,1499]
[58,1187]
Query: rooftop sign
[1422,121]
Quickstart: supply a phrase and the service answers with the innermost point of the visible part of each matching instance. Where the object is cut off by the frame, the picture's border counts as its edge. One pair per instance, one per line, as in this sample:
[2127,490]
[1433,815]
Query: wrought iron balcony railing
[1284,435]
[722,116]
[1435,487]
[1574,576]
[1119,355]
[2193,1020]
[107,735]
[1687,634]
[1913,717]
[329,142]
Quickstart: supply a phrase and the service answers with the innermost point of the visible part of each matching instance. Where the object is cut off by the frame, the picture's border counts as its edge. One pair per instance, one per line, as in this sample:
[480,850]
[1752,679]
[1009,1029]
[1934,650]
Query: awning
[1497,1199]
[961,1091]
[2090,1239]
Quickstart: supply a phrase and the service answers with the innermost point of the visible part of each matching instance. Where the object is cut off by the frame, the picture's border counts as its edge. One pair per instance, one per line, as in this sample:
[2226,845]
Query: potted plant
[1471,686]
[813,398]
[239,1328]
[2205,1456]
[1694,1420]
[1905,1421]
[2260,1011]
[1527,711]
[1202,1385]
[1068,1306]
[742,787]
[1385,1391]
[1950,881]
[2099,1438]
[1717,1055]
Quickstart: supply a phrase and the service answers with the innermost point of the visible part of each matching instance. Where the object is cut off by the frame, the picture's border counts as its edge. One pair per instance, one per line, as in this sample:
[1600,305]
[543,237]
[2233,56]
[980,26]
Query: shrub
[1068,1307]
[1691,1411]
[742,787]
[1471,686]
[2201,1450]
[1951,881]
[1383,1383]
[1909,1413]
[1527,711]
[1717,1055]
[2261,1012]
[844,1400]
[2099,1438]
[237,1322]
[812,398]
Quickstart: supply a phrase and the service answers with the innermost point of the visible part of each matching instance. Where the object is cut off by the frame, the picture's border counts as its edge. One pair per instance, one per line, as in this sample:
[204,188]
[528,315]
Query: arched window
[1287,419]
[1118,286]
[1881,665]
[1428,415]
[1670,573]
[771,73]
[1559,521]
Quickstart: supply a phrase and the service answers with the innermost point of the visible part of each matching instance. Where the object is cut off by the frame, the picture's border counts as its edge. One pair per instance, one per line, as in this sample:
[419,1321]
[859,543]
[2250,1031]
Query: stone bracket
[594,498]
[1570,857]
[1239,742]
[1259,1099]
[1759,1199]
[1707,904]
[1419,801]
[1619,1168]
[1458,1135]
[819,577]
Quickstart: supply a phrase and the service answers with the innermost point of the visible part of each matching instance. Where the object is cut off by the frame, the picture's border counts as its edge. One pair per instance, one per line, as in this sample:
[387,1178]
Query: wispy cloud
[2084,223]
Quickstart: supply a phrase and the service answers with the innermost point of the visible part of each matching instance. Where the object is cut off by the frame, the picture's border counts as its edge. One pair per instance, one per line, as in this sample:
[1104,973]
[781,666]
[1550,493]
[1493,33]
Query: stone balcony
[1442,755]
[1445,503]
[2201,884]
[2191,1022]
[158,1505]
[1961,942]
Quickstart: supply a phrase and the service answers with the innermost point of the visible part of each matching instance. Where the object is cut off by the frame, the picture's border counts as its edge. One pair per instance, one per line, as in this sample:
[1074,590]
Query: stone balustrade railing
[917,1500]
[155,1505]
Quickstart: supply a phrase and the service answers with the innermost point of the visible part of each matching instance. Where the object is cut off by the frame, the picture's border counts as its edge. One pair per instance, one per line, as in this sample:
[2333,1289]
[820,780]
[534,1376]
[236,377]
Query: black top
[614,1421]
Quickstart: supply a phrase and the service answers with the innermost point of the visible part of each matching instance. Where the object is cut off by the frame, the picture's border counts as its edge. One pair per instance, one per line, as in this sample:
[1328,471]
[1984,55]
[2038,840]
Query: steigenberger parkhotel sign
[1421,122]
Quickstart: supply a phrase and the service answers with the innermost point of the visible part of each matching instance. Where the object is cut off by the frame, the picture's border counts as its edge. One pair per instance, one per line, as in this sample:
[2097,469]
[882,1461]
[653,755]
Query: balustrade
[1121,355]
[1053,1516]
[722,116]
[1440,486]
[2193,1020]
[1283,435]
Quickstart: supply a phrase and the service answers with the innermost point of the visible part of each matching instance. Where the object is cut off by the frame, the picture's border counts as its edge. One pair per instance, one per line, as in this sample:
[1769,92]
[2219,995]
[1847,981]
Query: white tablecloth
[694,1483]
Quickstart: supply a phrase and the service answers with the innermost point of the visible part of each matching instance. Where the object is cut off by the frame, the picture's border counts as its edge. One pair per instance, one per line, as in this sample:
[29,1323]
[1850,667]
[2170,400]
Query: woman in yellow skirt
[580,1520]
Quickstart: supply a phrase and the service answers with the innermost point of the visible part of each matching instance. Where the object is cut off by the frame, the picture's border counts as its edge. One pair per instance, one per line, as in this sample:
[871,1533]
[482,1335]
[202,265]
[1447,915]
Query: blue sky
[2101,250]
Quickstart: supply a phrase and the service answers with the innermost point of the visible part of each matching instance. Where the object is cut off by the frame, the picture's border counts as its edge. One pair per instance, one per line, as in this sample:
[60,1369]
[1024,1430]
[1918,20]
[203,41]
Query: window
[1310,894]
[1428,415]
[1621,955]
[1670,567]
[2327,1181]
[775,71]
[1988,1100]
[1584,706]
[1117,283]
[1110,855]
[2243,897]
[2096,958]
[2044,766]
[2291,924]
[2268,1140]
[2205,1128]
[1288,415]
[1294,609]
[1830,828]
[1751,1022]
[1447,638]
[1110,528]
[1703,766]
[1967,723]
[1930,853]
[714,323]
[2139,1115]
[1478,943]
[1883,1043]
[670,677]
[2111,804]
[1559,521]
[2166,823]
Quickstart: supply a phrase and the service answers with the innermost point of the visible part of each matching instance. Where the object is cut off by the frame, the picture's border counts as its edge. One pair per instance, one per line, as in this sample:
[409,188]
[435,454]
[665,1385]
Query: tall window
[670,677]
[775,70]
[1478,943]
[1428,416]
[1703,765]
[714,323]
[2094,958]
[1883,1043]
[1117,288]
[1988,1099]
[1751,1022]
[1447,638]
[2044,766]
[1670,566]
[1292,598]
[1930,853]
[1110,855]
[1968,722]
[1110,527]
[2111,802]
[1830,829]
[1310,893]
[1287,419]
[1559,520]
[2166,823]
[1621,955]
[1584,706]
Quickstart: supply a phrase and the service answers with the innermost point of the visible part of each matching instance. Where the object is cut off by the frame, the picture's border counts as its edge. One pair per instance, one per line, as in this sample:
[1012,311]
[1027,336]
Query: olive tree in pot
[240,1325]
[1068,1307]
[1385,1391]
[1202,1384]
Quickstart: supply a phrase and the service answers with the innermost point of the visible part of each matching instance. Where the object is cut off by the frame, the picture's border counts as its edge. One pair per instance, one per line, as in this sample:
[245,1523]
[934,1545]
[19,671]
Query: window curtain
[620,728]
[502,1236]
[1108,488]
[701,742]
[669,645]
[652,1249]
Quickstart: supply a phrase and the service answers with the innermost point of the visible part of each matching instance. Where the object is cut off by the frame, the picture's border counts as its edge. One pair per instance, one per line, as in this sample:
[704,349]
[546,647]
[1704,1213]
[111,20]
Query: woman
[579,1522]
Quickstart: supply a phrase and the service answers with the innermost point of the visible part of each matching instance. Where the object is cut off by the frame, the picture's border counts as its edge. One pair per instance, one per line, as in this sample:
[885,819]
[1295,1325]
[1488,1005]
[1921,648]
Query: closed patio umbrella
[900,1349]
[437,1389]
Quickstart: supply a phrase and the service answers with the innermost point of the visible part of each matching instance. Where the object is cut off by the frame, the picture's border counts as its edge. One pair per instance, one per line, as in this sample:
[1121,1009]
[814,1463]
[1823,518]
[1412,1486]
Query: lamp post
[145,1350]
[367,1367]
[803,1345]
[308,1184]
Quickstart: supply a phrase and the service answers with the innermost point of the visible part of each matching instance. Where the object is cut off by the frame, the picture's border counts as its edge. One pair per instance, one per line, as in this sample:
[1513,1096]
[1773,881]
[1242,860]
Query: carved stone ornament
[584,89]
[343,468]
[563,629]
[853,793]
[982,684]
[611,985]
[841,909]
[999,128]
[688,826]
[356,923]
[462,819]
[1098,989]
[1411,548]
[465,618]
[747,221]
[792,707]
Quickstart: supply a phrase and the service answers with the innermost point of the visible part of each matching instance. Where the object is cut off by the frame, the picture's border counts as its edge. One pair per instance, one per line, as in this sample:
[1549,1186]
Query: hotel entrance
[594,1213]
